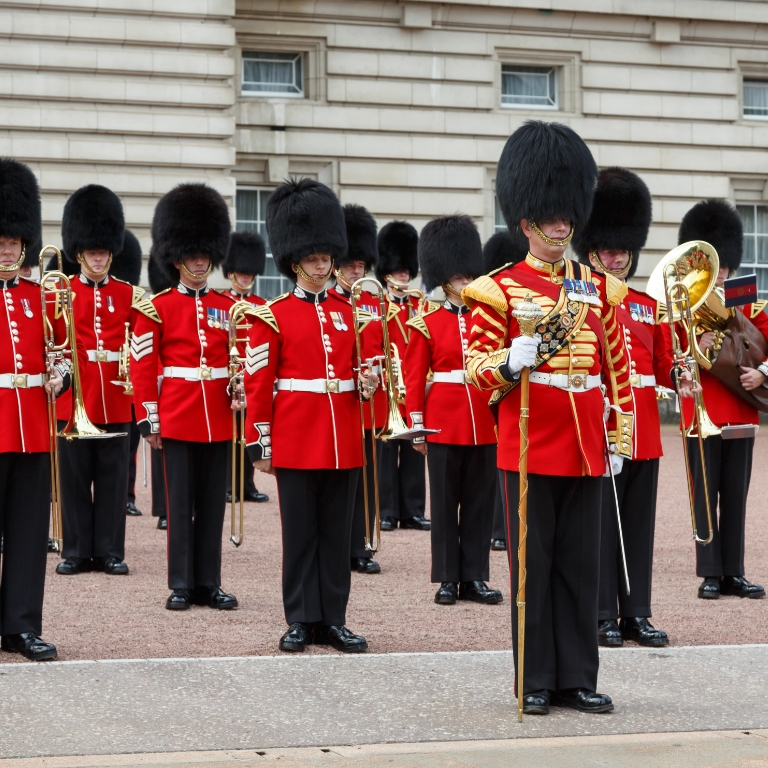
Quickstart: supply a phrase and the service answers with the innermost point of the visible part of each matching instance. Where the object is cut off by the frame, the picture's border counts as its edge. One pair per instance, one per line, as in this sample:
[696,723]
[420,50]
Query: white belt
[195,374]
[103,356]
[639,381]
[318,386]
[449,377]
[20,380]
[576,383]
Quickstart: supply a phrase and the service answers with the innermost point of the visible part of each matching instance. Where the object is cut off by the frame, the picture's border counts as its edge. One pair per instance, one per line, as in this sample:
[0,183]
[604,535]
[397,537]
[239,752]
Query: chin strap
[340,278]
[316,280]
[238,288]
[621,273]
[17,265]
[549,240]
[103,272]
[448,288]
[192,275]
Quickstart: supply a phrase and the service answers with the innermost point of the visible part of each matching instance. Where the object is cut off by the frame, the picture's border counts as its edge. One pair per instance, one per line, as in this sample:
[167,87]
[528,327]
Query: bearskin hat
[719,224]
[503,248]
[247,254]
[448,246]
[126,265]
[68,267]
[192,218]
[621,217]
[545,171]
[93,220]
[159,280]
[304,217]
[398,249]
[32,255]
[361,236]
[20,213]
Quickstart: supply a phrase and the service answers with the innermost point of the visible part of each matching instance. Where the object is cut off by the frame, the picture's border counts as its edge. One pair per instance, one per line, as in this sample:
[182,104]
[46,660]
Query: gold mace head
[528,314]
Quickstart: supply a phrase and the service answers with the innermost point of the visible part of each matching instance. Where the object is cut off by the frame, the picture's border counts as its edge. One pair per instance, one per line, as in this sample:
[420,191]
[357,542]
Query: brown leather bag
[743,344]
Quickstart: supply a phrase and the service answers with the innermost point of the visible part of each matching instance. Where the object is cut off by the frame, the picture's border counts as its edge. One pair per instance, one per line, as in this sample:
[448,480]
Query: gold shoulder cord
[146,307]
[487,291]
[418,323]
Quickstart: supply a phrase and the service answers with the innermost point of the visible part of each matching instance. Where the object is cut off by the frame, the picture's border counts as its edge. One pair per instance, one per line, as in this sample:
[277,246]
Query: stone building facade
[400,106]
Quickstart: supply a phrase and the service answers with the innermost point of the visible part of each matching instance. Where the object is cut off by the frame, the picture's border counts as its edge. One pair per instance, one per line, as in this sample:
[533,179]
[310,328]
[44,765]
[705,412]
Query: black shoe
[74,565]
[162,523]
[364,565]
[536,703]
[709,589]
[214,597]
[447,594]
[499,545]
[132,510]
[643,632]
[478,592]
[739,586]
[609,634]
[115,567]
[297,638]
[417,523]
[30,646]
[180,600]
[583,700]
[388,524]
[343,640]
[256,496]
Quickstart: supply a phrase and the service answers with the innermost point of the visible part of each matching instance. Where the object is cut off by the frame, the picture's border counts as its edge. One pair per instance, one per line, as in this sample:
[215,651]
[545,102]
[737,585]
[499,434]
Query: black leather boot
[643,633]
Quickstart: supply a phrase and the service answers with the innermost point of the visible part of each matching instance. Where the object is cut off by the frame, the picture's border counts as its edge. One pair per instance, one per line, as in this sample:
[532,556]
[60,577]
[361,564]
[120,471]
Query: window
[755,259]
[273,74]
[528,86]
[499,225]
[756,98]
[251,207]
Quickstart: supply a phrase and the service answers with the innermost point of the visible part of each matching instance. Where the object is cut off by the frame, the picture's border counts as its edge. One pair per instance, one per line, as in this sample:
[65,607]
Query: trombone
[684,280]
[79,425]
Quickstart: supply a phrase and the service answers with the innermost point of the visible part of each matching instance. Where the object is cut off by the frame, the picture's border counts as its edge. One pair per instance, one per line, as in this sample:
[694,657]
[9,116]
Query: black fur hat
[545,171]
[448,246]
[304,217]
[361,236]
[621,217]
[192,218]
[93,220]
[32,255]
[20,214]
[503,248]
[159,280]
[126,265]
[719,224]
[398,249]
[247,254]
[69,268]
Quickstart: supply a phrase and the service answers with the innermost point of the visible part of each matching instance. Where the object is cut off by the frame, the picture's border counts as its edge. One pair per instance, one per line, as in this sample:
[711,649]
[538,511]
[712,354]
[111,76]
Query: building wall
[403,111]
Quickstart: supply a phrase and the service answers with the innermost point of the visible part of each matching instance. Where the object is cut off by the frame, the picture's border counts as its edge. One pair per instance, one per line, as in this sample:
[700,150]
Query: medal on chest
[218,318]
[582,291]
[25,305]
[642,313]
[372,308]
[338,321]
[110,304]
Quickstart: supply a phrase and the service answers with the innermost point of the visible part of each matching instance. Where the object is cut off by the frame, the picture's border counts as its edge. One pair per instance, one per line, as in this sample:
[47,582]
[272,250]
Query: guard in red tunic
[308,434]
[183,332]
[245,260]
[728,460]
[402,481]
[25,475]
[94,473]
[361,257]
[611,244]
[544,184]
[462,454]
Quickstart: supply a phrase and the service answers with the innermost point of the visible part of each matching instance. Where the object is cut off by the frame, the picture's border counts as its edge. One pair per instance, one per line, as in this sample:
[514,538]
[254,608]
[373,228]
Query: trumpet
[684,279]
[124,364]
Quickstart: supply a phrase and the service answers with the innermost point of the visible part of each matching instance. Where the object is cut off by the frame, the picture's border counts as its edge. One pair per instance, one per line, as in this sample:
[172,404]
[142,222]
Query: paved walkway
[263,703]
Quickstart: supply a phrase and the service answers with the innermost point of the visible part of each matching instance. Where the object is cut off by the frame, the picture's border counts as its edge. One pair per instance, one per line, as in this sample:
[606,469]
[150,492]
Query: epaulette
[263,312]
[146,307]
[363,317]
[508,265]
[138,294]
[758,307]
[393,310]
[661,313]
[278,298]
[418,323]
[486,290]
[431,306]
[615,290]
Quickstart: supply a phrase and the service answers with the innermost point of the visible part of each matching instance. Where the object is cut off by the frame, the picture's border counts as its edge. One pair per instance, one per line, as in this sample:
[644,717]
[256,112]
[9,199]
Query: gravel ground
[94,616]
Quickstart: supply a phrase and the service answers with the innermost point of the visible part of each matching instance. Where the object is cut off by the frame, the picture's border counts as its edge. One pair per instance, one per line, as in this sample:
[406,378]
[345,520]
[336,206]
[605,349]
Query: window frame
[753,78]
[552,72]
[755,266]
[299,55]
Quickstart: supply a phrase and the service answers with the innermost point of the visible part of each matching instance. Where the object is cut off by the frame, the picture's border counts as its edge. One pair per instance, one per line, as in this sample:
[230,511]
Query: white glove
[606,408]
[522,353]
[617,462]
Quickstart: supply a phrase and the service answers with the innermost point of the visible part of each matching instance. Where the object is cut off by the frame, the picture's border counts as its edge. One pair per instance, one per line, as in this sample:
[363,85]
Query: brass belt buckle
[205,373]
[332,385]
[21,381]
[634,380]
[577,382]
[101,356]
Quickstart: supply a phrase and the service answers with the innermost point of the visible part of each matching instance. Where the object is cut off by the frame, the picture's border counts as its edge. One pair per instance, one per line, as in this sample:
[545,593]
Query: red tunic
[101,312]
[303,336]
[22,351]
[439,343]
[178,329]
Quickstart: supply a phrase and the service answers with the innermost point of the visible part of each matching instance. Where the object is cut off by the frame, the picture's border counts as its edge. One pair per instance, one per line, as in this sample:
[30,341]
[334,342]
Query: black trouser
[636,486]
[358,518]
[249,486]
[499,518]
[94,478]
[158,483]
[729,468]
[462,488]
[316,508]
[134,438]
[25,495]
[195,477]
[402,482]
[562,579]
